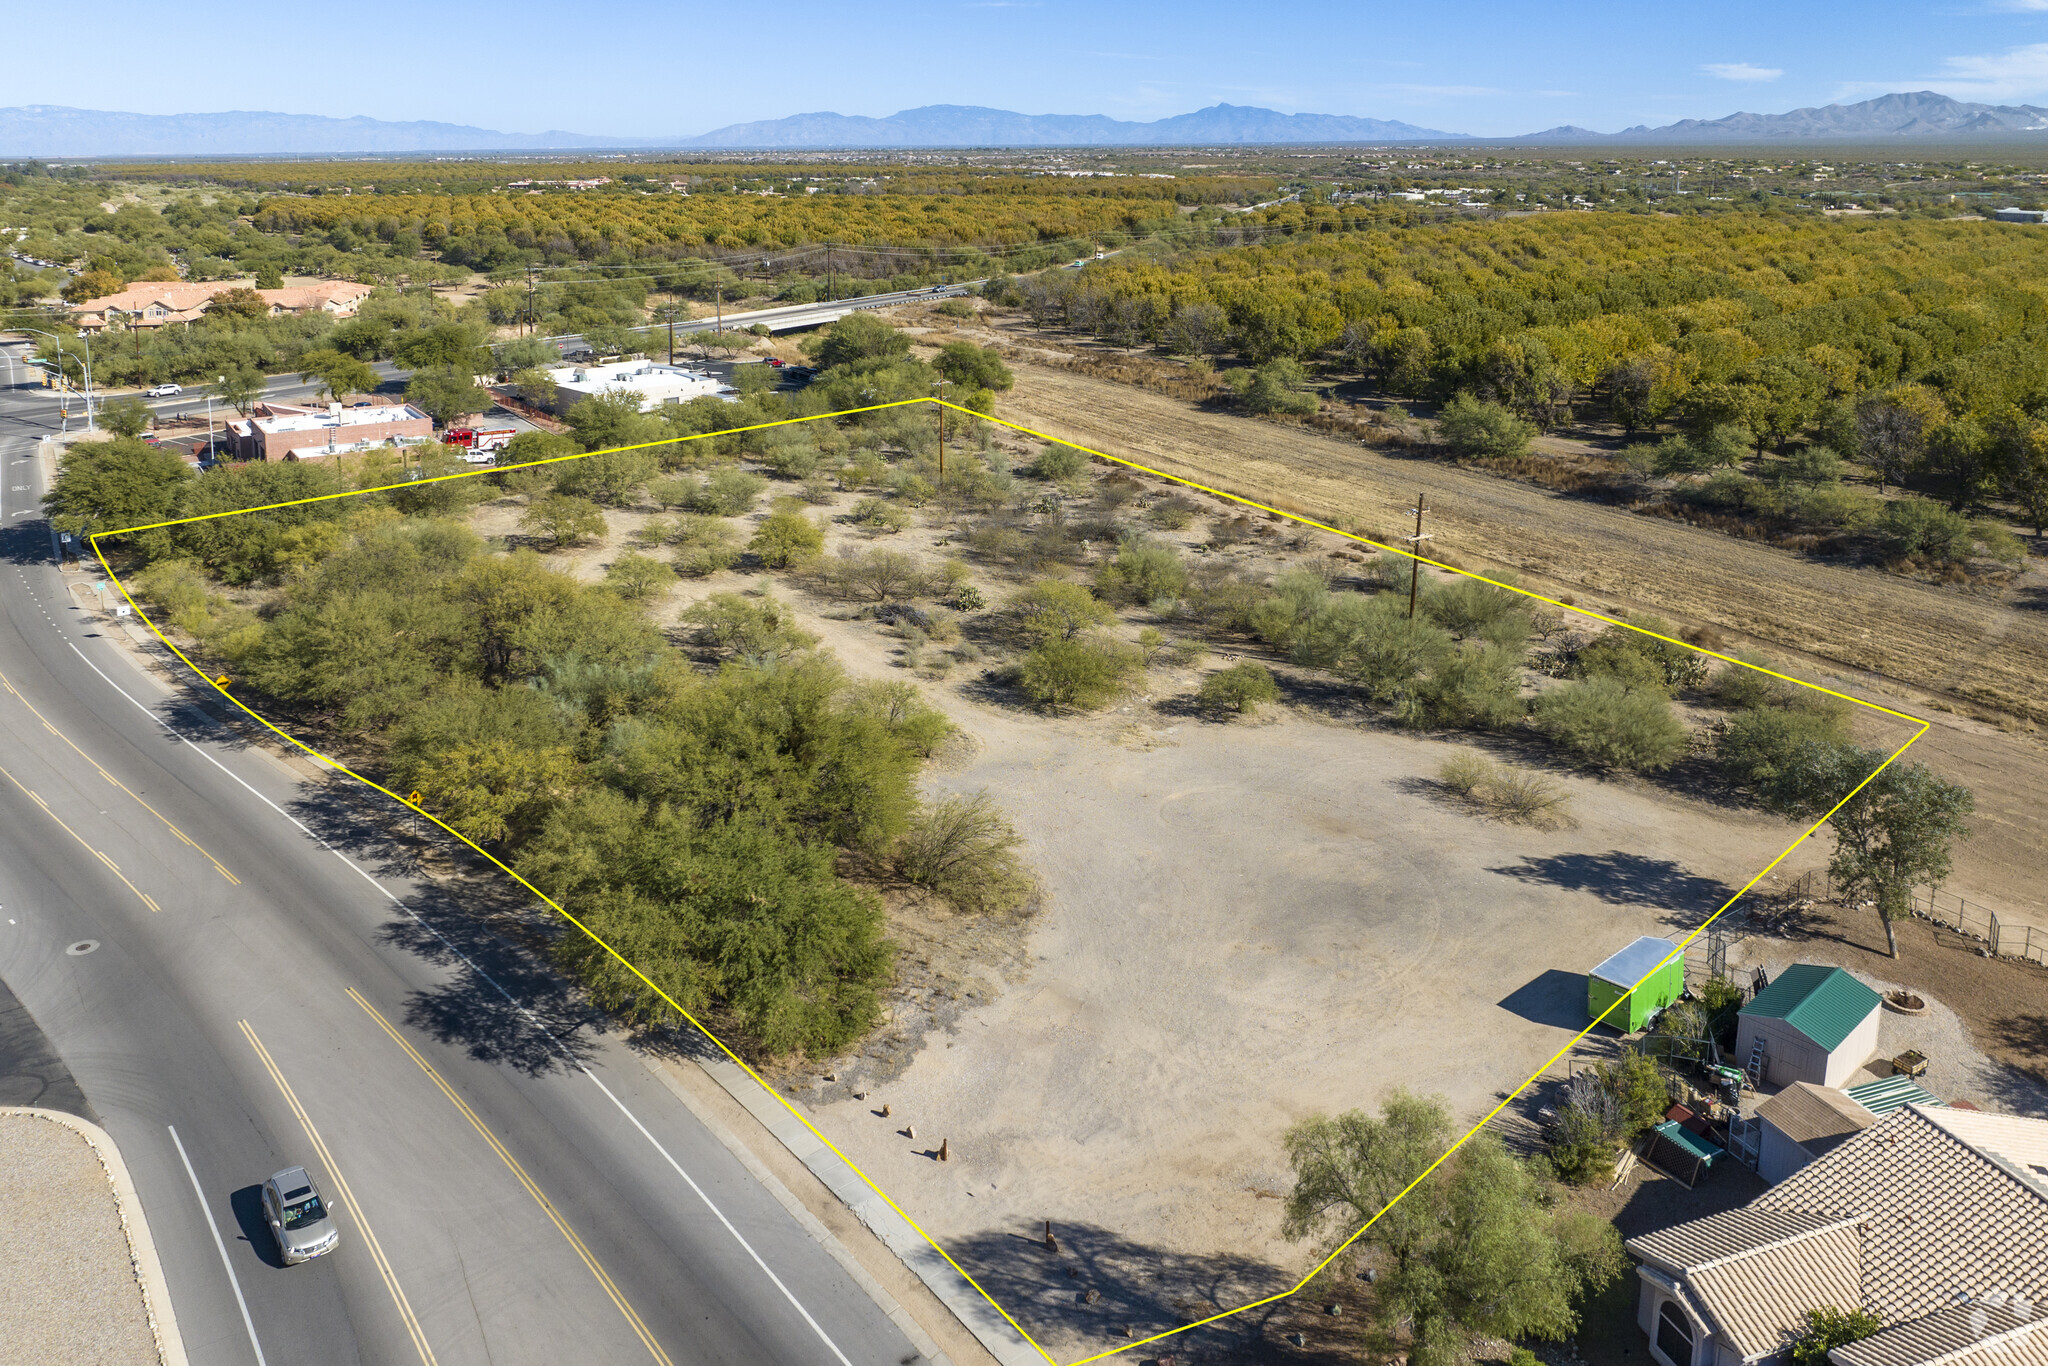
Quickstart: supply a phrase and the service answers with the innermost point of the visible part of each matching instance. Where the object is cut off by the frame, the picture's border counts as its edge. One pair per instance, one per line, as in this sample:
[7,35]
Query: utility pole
[532,323]
[719,291]
[1415,563]
[671,335]
[942,429]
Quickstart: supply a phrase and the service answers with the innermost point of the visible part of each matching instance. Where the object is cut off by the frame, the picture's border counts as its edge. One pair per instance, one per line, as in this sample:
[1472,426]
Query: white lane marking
[233,1279]
[499,987]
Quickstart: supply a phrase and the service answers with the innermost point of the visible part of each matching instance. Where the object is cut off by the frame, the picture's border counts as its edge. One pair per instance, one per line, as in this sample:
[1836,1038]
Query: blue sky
[632,68]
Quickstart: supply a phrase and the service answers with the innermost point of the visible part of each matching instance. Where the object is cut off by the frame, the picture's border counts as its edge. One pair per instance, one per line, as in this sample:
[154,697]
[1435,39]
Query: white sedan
[165,390]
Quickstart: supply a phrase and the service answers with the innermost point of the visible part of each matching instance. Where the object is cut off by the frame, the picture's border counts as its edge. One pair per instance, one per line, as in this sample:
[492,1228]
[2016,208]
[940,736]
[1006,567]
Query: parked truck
[480,445]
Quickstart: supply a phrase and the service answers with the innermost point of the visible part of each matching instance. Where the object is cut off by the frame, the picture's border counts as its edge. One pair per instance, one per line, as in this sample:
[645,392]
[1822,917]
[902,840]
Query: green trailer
[1636,966]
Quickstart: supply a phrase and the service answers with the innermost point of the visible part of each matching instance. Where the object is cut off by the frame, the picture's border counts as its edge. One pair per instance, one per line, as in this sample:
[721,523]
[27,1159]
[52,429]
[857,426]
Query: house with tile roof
[156,303]
[1935,1220]
[1813,1023]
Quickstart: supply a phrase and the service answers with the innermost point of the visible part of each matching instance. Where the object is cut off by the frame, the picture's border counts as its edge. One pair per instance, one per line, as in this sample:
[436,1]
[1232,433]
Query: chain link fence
[2002,938]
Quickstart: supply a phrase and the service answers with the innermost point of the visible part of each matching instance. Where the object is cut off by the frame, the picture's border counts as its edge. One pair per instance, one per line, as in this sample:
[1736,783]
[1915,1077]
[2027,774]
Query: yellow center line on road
[218,867]
[112,866]
[348,1197]
[512,1164]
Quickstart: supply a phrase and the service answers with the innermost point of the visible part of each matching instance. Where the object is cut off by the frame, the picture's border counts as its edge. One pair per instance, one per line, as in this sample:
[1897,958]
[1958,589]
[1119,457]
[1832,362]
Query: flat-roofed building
[657,384]
[278,431]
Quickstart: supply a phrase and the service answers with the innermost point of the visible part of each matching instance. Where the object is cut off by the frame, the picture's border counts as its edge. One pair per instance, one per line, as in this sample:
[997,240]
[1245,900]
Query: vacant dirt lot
[1242,924]
[1877,635]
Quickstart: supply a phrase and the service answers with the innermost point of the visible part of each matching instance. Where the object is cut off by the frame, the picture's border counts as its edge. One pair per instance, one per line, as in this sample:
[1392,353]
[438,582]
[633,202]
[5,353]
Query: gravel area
[68,1289]
[1956,1068]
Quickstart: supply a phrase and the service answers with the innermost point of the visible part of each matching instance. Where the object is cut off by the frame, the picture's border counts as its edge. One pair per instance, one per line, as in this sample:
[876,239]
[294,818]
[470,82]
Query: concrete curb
[810,1223]
[975,1313]
[149,1272]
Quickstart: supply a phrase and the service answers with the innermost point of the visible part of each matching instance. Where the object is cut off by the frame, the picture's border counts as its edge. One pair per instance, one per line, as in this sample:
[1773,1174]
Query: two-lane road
[244,972]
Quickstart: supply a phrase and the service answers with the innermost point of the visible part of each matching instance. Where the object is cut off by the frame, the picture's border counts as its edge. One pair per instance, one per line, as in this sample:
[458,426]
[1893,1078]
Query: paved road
[792,317]
[243,971]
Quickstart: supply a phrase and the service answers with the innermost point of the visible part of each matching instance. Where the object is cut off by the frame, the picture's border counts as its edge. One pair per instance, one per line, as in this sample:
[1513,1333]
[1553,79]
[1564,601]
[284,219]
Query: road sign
[414,798]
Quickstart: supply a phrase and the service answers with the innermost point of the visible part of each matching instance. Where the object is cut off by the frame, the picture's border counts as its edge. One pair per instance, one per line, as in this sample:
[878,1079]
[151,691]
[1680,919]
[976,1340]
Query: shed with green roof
[1814,1023]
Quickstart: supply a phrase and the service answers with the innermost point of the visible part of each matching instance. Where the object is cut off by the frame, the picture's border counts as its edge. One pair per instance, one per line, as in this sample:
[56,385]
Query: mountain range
[55,131]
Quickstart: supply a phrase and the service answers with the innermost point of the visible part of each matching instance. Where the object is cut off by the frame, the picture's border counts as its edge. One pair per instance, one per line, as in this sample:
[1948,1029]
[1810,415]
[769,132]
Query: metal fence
[2006,939]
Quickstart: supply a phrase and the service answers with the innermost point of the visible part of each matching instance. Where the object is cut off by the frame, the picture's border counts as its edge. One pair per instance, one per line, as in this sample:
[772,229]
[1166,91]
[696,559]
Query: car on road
[777,362]
[298,1217]
[165,390]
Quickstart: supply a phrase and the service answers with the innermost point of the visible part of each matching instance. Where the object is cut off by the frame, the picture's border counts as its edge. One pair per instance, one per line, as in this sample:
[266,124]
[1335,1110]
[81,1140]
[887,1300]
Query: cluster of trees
[1484,1246]
[1914,346]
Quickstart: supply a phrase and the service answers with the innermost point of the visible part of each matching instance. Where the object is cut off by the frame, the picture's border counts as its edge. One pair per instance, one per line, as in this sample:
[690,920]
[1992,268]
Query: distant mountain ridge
[956,125]
[53,130]
[1919,116]
[56,131]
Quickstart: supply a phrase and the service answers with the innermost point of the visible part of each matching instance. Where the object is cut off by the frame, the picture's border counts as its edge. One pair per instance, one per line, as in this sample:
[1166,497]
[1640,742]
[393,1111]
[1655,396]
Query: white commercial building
[656,383]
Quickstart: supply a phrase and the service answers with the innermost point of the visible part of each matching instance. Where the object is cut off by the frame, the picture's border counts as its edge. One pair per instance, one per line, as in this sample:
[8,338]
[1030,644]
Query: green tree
[612,418]
[1079,674]
[446,394]
[1372,644]
[637,577]
[973,367]
[1827,1328]
[107,485]
[1144,570]
[1896,834]
[1475,427]
[1478,1247]
[446,346]
[861,341]
[129,417]
[564,519]
[609,478]
[1275,387]
[339,373]
[1053,609]
[787,538]
[239,387]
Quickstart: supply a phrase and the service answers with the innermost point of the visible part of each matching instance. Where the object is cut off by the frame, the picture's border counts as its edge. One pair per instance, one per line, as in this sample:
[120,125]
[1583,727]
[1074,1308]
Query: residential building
[1933,1219]
[2021,215]
[280,431]
[656,383]
[157,303]
[1813,1023]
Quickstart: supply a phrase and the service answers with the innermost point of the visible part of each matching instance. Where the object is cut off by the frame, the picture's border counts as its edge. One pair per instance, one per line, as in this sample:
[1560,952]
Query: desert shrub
[1469,688]
[879,515]
[1763,746]
[1832,507]
[1996,541]
[787,538]
[676,491]
[727,492]
[816,490]
[1914,528]
[967,598]
[1053,609]
[1607,724]
[748,628]
[1391,572]
[1057,462]
[1735,686]
[1172,513]
[1811,466]
[1475,427]
[1241,688]
[1144,570]
[909,486]
[1298,595]
[1371,643]
[1077,674]
[563,519]
[902,708]
[1466,607]
[704,545]
[966,850]
[608,478]
[791,459]
[879,575]
[1604,1107]
[1275,387]
[1511,794]
[1636,660]
[636,577]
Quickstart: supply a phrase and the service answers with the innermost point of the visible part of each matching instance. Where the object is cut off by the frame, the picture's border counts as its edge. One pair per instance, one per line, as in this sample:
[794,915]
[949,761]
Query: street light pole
[58,342]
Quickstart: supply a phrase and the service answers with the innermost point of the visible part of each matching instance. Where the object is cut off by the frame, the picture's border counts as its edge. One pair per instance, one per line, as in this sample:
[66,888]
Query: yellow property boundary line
[221,686]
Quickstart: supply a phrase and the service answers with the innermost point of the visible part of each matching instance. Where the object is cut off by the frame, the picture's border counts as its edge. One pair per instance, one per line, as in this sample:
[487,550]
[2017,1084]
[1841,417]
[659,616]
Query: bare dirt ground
[1897,642]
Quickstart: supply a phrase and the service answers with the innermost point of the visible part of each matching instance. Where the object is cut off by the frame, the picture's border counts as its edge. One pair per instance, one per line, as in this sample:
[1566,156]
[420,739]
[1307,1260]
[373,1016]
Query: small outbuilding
[1814,1023]
[1636,966]
[1804,1122]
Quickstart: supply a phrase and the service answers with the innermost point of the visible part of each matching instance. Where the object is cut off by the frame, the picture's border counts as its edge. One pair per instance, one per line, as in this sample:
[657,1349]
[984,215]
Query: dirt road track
[1953,643]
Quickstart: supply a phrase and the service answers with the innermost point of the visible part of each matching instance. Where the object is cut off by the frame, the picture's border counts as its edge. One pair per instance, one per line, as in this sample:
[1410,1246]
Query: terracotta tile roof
[1817,1118]
[1976,1334]
[1940,1217]
[1753,1275]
